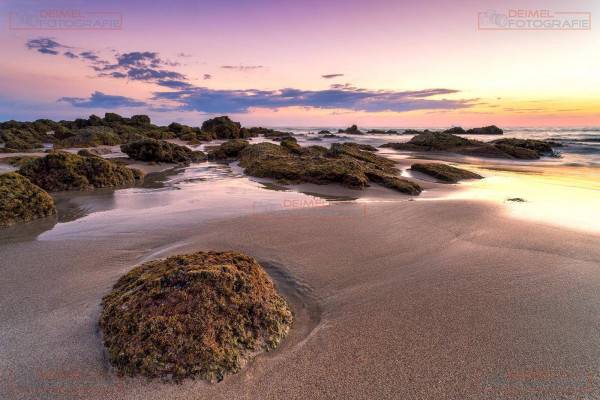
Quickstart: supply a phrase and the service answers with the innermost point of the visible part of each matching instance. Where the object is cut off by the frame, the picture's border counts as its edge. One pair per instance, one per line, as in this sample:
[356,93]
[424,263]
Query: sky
[377,63]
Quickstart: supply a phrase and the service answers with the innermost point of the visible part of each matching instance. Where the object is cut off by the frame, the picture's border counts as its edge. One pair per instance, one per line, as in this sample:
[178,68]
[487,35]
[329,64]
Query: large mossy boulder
[200,315]
[60,171]
[160,151]
[22,201]
[444,173]
[346,164]
[222,127]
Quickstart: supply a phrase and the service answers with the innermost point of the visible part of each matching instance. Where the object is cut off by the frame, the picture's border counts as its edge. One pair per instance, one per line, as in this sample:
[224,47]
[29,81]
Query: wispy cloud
[148,66]
[242,67]
[356,99]
[331,76]
[101,100]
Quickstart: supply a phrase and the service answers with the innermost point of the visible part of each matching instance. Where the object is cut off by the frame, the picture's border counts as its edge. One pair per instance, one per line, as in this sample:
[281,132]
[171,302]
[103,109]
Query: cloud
[331,76]
[207,76]
[242,67]
[101,100]
[70,54]
[356,99]
[44,45]
[174,84]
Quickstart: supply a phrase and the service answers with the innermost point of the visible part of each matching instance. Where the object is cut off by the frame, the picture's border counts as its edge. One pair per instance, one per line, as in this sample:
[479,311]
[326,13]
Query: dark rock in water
[324,132]
[161,151]
[330,136]
[502,148]
[539,146]
[456,130]
[228,150]
[223,128]
[22,201]
[345,164]
[315,139]
[445,173]
[64,171]
[353,130]
[428,141]
[516,200]
[486,130]
[269,133]
[415,132]
[520,153]
[391,132]
[200,315]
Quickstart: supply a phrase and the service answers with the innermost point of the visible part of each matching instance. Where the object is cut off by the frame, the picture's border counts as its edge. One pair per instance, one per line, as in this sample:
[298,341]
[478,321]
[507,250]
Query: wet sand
[411,299]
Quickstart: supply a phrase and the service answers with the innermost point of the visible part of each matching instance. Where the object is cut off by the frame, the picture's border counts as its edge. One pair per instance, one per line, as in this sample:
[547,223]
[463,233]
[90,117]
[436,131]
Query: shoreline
[375,281]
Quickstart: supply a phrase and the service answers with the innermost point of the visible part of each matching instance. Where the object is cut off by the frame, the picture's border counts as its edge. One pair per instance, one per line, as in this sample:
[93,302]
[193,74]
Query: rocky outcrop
[60,171]
[22,201]
[502,148]
[346,164]
[222,128]
[160,151]
[486,130]
[445,173]
[353,130]
[200,315]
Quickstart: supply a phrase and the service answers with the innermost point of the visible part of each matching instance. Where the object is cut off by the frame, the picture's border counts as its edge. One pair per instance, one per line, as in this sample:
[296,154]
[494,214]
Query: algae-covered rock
[161,151]
[228,150]
[346,164]
[445,173]
[60,171]
[222,127]
[200,315]
[22,201]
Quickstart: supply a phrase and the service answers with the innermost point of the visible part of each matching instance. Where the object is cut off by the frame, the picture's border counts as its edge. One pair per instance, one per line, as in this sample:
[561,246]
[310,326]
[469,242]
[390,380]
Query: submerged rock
[64,171]
[161,151]
[200,315]
[22,201]
[445,173]
[346,164]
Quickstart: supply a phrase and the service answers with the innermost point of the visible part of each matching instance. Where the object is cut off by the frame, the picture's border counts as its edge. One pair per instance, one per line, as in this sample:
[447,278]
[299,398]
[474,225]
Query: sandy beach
[412,299]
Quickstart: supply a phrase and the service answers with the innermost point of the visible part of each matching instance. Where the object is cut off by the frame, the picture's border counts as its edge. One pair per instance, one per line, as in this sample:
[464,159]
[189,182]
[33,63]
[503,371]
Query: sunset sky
[377,63]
